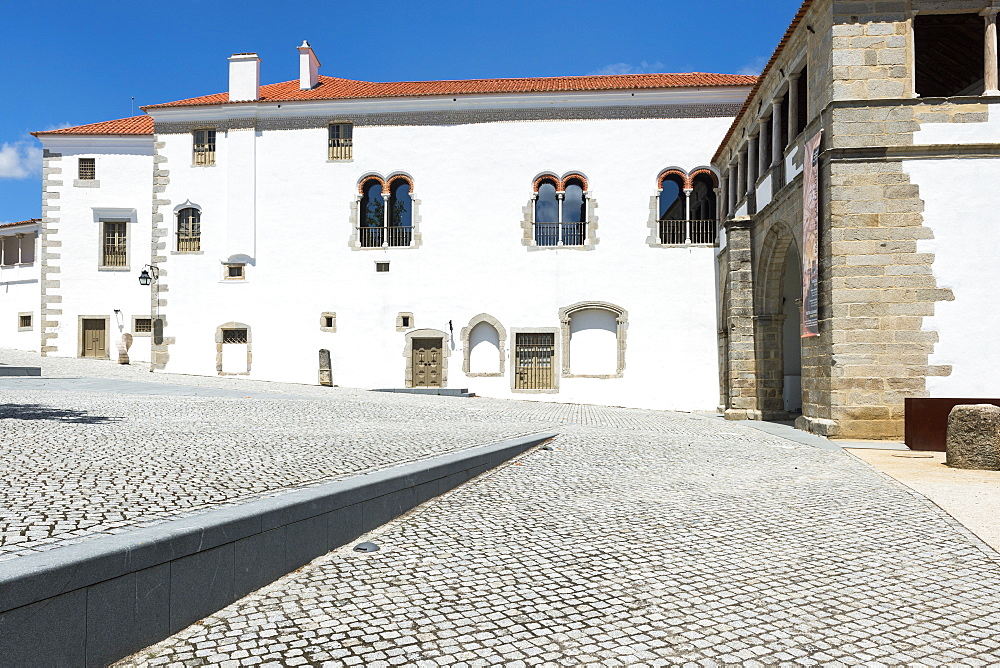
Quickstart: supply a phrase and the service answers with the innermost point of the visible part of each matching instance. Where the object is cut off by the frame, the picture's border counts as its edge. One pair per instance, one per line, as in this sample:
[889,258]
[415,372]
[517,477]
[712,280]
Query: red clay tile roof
[21,222]
[767,68]
[331,88]
[134,125]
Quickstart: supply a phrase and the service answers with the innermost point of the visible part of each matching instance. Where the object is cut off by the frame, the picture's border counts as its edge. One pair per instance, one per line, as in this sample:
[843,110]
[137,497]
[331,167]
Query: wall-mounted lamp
[149,274]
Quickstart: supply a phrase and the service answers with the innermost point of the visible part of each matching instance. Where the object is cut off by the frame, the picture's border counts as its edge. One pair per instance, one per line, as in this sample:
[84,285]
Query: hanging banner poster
[810,238]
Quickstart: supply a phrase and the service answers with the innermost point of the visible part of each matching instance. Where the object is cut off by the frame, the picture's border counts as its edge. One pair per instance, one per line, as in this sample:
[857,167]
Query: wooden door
[427,362]
[535,360]
[95,338]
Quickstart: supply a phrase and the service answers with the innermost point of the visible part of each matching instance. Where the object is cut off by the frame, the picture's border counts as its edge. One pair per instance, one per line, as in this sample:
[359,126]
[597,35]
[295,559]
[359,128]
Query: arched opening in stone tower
[791,341]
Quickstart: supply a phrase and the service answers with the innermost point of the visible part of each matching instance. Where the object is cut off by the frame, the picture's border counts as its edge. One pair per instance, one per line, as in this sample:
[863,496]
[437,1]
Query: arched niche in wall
[593,340]
[484,342]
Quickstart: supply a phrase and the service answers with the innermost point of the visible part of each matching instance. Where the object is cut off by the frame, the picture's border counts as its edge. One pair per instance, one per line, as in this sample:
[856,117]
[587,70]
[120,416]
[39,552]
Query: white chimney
[244,77]
[308,67]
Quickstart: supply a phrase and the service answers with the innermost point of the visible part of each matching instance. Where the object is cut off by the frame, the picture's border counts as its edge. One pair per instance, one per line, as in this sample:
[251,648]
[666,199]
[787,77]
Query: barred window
[115,245]
[341,141]
[234,272]
[24,321]
[87,169]
[189,230]
[204,147]
[234,336]
[142,325]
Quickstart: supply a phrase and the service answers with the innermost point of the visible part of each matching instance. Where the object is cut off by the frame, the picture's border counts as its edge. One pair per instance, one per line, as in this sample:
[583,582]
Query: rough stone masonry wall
[880,286]
[51,306]
[159,252]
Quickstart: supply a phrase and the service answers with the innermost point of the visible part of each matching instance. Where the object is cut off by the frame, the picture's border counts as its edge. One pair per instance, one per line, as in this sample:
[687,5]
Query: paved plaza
[641,538]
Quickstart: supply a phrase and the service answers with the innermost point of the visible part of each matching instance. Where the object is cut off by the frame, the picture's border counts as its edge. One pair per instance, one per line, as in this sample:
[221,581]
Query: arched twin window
[386,213]
[189,230]
[686,207]
[560,211]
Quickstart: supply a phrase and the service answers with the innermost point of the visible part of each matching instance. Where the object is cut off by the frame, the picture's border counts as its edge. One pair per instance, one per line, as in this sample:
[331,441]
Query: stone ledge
[97,601]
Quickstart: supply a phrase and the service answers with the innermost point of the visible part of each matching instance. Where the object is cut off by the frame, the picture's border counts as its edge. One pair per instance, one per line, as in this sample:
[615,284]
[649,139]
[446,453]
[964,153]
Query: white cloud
[754,67]
[19,160]
[627,68]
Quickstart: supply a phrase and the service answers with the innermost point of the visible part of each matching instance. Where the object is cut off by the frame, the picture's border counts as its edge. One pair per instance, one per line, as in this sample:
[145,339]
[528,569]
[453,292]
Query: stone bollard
[123,347]
[325,373]
[974,437]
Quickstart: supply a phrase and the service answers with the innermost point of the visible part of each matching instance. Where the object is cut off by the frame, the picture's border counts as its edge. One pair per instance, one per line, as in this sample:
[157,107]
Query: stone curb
[97,601]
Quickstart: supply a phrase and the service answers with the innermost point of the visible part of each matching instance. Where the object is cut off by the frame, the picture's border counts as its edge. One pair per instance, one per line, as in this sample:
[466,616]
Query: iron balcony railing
[392,236]
[683,232]
[560,234]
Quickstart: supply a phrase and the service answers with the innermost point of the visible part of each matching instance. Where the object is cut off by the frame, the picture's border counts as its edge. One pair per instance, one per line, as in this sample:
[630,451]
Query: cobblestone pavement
[641,539]
[93,448]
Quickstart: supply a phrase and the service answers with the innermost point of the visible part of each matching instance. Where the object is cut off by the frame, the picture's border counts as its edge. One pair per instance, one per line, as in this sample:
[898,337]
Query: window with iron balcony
[386,213]
[204,147]
[341,141]
[560,212]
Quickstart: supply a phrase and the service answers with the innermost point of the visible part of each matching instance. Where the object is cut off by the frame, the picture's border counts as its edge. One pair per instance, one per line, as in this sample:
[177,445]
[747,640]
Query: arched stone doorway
[777,324]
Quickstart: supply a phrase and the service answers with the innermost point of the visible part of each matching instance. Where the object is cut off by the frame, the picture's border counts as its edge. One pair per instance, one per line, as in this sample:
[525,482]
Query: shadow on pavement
[40,412]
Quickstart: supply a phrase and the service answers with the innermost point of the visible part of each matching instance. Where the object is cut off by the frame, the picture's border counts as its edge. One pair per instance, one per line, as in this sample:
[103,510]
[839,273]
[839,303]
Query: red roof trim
[30,221]
[134,125]
[332,88]
[767,68]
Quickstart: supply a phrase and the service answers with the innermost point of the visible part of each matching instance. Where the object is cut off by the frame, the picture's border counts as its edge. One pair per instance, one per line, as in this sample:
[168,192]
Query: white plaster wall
[472,182]
[20,293]
[962,133]
[125,172]
[961,202]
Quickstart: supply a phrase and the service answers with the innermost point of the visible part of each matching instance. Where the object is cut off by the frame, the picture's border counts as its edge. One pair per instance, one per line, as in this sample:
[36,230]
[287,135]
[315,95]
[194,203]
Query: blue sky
[70,63]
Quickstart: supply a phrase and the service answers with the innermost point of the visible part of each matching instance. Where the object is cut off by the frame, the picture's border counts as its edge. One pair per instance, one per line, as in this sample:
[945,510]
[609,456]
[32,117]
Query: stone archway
[776,325]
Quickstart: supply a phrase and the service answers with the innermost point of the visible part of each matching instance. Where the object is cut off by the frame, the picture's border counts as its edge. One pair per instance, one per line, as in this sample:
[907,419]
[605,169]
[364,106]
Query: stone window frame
[556,367]
[467,351]
[187,204]
[323,327]
[31,322]
[426,334]
[528,220]
[108,341]
[142,317]
[218,348]
[400,327]
[86,183]
[226,278]
[653,222]
[416,238]
[621,317]
[103,215]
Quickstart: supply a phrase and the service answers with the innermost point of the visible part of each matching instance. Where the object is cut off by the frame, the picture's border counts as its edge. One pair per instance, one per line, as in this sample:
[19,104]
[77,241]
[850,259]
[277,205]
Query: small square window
[328,321]
[24,321]
[142,325]
[234,336]
[87,169]
[404,321]
[382,267]
[234,272]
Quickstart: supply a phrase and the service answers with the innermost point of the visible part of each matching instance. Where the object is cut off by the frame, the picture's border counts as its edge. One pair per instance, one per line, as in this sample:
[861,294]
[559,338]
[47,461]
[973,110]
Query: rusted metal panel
[925,421]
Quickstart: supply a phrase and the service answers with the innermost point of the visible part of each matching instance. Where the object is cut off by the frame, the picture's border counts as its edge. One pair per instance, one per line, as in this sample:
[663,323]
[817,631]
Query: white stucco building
[19,285]
[540,238]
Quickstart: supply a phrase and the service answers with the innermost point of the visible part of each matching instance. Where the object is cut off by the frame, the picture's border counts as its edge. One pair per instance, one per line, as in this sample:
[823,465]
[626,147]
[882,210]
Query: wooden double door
[95,338]
[427,362]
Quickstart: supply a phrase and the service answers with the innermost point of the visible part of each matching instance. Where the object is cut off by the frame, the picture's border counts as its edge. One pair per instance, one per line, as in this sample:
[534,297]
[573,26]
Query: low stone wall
[95,602]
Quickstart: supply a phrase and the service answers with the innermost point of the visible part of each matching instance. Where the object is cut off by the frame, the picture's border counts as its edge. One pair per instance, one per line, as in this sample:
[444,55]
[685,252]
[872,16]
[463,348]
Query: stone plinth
[974,437]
